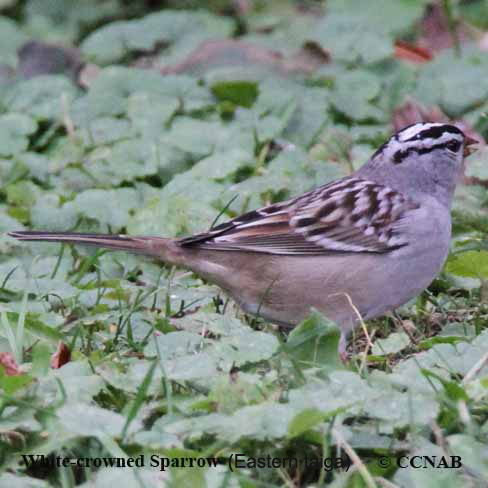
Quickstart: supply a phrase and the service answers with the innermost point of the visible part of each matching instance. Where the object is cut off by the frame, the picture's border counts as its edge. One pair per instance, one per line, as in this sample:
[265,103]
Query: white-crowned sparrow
[374,239]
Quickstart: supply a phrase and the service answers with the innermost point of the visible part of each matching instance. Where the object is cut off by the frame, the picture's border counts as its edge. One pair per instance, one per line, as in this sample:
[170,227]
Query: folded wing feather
[349,215]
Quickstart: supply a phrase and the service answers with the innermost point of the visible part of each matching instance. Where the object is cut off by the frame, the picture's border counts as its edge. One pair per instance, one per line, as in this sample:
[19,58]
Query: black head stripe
[400,155]
[435,132]
[420,138]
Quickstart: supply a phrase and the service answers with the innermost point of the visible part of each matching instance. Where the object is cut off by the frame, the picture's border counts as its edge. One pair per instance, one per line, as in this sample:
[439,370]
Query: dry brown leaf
[232,52]
[435,33]
[8,362]
[411,52]
[41,58]
[61,356]
[412,112]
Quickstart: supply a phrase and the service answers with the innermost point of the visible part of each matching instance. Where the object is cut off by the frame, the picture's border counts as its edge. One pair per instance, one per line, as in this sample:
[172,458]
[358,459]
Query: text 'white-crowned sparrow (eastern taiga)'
[366,243]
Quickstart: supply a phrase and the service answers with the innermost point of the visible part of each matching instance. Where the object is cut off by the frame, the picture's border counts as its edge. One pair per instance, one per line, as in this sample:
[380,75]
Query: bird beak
[469,142]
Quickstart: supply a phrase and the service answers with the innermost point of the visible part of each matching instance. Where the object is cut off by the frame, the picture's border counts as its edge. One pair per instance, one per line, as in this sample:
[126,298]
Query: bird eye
[453,146]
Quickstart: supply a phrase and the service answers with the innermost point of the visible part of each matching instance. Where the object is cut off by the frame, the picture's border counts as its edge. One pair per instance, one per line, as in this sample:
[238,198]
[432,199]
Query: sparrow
[354,248]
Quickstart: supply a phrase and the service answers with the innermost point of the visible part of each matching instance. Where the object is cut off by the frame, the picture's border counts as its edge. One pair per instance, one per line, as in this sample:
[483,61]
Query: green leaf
[453,390]
[24,193]
[149,112]
[113,42]
[174,344]
[428,476]
[127,477]
[355,32]
[111,207]
[392,344]
[263,422]
[428,343]
[10,384]
[478,164]
[341,391]
[354,95]
[46,97]
[470,264]
[139,399]
[11,39]
[351,40]
[64,21]
[41,358]
[176,211]
[472,453]
[402,13]
[246,346]
[22,481]
[14,131]
[468,207]
[301,110]
[454,90]
[242,93]
[315,342]
[33,325]
[89,420]
[105,130]
[305,420]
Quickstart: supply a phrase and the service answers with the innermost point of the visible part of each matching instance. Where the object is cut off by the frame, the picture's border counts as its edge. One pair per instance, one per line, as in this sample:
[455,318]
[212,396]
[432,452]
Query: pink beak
[469,142]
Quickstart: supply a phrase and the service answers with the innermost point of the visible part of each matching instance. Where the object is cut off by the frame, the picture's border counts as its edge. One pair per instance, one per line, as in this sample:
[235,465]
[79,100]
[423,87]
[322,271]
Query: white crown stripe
[415,129]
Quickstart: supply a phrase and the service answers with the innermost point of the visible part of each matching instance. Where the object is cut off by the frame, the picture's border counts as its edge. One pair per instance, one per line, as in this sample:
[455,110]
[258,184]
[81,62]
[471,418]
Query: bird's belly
[366,286]
[283,289]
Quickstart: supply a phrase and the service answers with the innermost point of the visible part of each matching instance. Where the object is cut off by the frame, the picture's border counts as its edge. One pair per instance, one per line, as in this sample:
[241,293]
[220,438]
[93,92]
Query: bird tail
[165,249]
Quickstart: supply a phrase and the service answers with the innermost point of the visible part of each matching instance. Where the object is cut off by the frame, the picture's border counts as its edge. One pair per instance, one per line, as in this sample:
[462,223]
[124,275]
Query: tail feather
[151,246]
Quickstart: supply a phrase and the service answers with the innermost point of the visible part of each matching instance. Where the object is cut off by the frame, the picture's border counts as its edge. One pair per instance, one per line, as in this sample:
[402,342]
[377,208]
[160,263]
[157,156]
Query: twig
[476,369]
[362,469]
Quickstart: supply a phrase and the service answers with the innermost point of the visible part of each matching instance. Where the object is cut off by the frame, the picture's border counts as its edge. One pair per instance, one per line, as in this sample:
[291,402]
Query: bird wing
[348,215]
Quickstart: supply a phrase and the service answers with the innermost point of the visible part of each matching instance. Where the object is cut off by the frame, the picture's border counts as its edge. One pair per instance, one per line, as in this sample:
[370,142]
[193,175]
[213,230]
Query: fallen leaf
[435,33]
[412,112]
[40,58]
[61,356]
[231,52]
[8,362]
[412,53]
